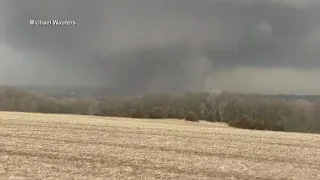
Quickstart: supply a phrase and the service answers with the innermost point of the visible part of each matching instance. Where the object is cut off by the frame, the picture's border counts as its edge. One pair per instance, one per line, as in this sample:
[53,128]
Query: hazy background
[143,46]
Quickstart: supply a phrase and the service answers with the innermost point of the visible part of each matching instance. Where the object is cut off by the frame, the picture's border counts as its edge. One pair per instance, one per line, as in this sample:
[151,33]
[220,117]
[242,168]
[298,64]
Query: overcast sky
[262,46]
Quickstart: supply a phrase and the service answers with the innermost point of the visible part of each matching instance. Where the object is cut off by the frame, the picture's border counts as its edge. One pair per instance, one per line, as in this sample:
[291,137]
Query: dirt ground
[39,146]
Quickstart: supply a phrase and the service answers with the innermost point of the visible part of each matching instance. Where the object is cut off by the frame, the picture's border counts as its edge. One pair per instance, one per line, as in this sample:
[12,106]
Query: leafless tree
[215,104]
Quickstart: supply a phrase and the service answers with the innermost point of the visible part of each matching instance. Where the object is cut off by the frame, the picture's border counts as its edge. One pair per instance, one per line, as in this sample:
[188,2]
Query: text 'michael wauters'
[52,23]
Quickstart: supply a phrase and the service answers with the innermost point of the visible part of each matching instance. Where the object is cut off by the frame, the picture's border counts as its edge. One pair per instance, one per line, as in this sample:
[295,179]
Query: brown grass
[38,146]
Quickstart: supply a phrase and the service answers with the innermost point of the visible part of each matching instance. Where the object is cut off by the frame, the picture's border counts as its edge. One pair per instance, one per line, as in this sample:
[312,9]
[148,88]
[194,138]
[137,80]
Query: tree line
[241,111]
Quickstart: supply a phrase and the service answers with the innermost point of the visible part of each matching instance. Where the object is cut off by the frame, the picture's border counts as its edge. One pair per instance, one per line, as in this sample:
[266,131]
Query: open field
[38,146]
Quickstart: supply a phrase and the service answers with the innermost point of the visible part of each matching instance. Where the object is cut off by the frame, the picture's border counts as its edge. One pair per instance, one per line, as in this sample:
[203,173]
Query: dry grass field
[39,146]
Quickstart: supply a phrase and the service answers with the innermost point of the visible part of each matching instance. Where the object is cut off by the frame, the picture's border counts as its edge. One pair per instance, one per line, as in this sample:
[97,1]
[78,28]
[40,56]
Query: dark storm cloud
[164,45]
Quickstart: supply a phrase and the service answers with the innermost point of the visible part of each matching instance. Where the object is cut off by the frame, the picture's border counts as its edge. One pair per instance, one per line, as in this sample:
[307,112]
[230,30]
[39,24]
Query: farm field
[43,146]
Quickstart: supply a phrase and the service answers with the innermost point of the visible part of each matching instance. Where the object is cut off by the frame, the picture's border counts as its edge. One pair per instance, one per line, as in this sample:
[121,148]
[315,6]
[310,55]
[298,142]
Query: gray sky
[263,46]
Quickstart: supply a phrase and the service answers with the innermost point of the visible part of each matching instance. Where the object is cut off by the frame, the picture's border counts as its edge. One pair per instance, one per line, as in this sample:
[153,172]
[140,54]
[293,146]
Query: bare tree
[215,104]
[93,107]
